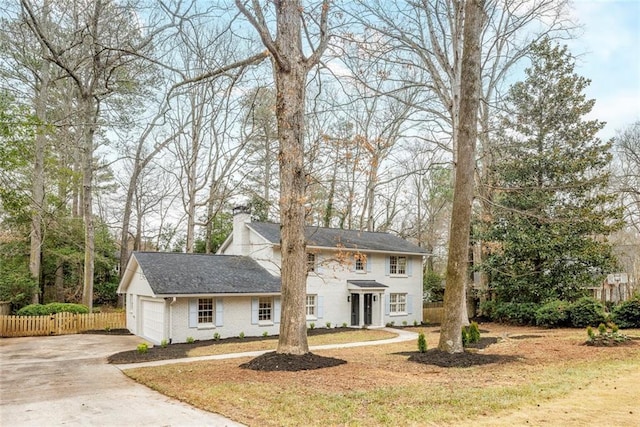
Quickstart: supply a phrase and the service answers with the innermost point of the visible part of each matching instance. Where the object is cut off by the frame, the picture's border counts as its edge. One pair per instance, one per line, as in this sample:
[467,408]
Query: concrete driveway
[65,380]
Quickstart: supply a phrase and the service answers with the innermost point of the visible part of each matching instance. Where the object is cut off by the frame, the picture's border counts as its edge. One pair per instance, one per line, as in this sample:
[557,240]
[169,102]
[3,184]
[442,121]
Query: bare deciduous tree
[454,295]
[290,68]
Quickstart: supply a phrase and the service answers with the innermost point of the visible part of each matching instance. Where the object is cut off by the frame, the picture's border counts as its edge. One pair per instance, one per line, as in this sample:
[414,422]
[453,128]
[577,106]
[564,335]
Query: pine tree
[548,235]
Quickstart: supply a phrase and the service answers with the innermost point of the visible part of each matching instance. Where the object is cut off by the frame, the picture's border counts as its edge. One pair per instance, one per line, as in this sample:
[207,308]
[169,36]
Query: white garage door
[153,320]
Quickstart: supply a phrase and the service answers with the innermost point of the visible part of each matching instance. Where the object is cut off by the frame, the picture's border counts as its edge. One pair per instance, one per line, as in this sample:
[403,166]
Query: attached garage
[152,322]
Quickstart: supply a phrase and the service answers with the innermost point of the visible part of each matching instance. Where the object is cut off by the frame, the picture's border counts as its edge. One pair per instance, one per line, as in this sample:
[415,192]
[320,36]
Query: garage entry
[152,320]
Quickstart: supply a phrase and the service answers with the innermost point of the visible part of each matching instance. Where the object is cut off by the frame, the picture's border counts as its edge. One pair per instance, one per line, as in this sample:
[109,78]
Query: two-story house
[355,278]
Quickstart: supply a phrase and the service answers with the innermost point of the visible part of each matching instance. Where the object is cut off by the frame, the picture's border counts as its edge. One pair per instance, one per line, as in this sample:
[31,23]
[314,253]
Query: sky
[608,53]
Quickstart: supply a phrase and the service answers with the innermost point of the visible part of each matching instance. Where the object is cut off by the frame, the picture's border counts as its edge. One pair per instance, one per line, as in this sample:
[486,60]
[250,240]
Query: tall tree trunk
[290,68]
[89,116]
[291,80]
[457,264]
[37,189]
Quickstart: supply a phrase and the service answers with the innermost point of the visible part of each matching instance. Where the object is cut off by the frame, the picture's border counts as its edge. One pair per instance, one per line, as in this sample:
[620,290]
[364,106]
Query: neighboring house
[355,278]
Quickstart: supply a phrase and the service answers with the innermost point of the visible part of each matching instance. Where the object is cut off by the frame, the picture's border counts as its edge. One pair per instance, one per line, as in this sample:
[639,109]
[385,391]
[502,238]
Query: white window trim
[392,304]
[267,322]
[363,263]
[397,257]
[207,325]
[313,316]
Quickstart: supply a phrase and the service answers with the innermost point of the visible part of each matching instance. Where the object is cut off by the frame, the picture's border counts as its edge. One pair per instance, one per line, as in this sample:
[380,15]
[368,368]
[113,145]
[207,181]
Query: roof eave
[222,294]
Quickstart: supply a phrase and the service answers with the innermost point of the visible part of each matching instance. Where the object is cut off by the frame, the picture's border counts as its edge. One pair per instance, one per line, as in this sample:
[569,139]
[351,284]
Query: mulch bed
[470,357]
[458,360]
[273,361]
[179,351]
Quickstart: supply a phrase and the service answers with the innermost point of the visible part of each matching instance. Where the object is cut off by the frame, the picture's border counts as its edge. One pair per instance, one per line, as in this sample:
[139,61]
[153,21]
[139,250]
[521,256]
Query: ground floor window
[398,303]
[265,309]
[311,306]
[205,311]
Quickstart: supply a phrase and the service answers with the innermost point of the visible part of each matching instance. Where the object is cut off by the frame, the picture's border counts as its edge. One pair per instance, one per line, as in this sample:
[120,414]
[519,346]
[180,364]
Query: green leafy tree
[548,232]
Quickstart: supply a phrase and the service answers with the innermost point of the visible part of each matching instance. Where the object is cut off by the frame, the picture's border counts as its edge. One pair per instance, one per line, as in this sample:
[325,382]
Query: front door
[355,309]
[368,309]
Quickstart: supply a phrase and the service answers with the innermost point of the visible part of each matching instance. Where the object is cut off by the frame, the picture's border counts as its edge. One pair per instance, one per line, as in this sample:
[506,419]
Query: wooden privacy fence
[433,312]
[59,324]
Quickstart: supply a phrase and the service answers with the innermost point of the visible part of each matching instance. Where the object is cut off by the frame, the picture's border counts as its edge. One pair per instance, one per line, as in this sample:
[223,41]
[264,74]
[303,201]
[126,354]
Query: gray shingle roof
[349,239]
[170,273]
[367,284]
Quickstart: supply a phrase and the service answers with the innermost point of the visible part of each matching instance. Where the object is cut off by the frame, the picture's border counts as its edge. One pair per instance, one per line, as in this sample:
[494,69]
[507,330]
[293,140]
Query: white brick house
[355,278]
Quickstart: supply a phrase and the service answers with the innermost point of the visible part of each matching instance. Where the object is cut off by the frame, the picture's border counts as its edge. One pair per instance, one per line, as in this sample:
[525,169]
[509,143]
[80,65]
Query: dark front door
[355,309]
[368,308]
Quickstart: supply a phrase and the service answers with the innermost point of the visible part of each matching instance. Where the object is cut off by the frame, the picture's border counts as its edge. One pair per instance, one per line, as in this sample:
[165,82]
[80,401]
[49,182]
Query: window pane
[311,305]
[205,310]
[402,265]
[311,262]
[393,265]
[264,308]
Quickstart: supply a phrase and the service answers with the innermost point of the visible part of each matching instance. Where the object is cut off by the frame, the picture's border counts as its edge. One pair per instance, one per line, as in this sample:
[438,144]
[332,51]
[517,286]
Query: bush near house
[52,308]
[627,313]
[586,311]
[553,314]
[518,313]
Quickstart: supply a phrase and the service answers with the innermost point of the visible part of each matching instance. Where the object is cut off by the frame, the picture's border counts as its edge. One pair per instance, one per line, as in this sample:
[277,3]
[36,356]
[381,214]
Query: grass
[355,335]
[378,386]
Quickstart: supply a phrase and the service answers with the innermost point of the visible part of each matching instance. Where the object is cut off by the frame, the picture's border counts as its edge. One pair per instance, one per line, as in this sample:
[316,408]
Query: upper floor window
[398,264]
[311,262]
[311,306]
[265,309]
[205,311]
[361,263]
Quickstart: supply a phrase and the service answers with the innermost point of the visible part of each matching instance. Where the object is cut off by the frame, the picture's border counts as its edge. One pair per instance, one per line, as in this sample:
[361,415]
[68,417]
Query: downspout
[173,300]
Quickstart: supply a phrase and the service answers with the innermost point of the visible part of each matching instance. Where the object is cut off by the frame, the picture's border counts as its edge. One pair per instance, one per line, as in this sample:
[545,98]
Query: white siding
[236,319]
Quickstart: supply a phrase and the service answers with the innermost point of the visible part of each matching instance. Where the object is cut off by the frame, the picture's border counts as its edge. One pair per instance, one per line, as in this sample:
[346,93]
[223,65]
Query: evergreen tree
[548,235]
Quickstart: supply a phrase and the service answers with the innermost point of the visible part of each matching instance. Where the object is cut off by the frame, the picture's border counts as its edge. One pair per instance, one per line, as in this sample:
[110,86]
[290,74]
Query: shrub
[52,308]
[344,324]
[143,348]
[328,325]
[474,333]
[586,311]
[164,343]
[465,337]
[488,308]
[241,335]
[415,323]
[404,323]
[605,337]
[553,314]
[216,336]
[265,334]
[104,293]
[518,313]
[190,340]
[312,325]
[422,343]
[627,313]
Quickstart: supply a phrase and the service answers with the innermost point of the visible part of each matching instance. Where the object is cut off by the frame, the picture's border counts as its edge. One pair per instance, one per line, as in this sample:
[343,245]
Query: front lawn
[379,386]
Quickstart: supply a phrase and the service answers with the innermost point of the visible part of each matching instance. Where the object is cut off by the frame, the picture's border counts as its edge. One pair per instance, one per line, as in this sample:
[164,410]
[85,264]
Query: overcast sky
[609,55]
